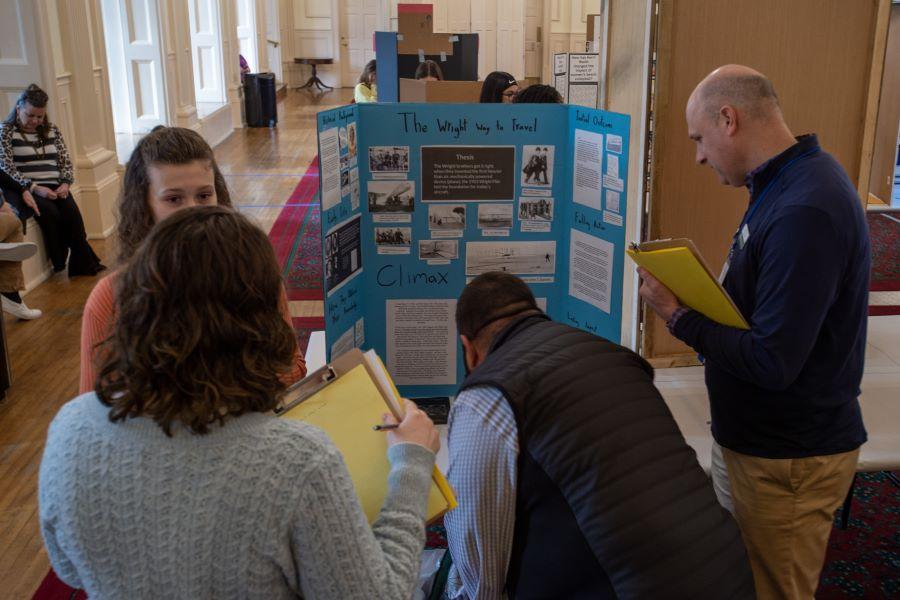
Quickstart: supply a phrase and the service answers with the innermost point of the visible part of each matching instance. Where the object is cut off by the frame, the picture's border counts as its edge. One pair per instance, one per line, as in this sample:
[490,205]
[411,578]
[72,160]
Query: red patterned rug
[884,235]
[297,239]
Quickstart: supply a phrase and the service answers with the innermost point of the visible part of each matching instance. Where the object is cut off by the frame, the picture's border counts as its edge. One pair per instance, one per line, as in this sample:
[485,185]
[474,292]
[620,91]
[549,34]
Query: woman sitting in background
[429,71]
[170,169]
[498,86]
[175,478]
[366,90]
[37,173]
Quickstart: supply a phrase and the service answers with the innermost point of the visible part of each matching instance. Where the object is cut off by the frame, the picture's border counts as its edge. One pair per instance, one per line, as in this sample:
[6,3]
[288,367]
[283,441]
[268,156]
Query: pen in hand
[384,427]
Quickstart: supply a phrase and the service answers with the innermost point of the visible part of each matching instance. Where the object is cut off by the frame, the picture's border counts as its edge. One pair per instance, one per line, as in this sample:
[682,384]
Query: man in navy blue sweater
[783,394]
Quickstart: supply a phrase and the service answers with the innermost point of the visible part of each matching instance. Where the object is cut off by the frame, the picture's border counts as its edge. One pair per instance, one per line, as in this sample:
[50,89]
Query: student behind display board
[538,94]
[175,477]
[498,87]
[429,71]
[366,90]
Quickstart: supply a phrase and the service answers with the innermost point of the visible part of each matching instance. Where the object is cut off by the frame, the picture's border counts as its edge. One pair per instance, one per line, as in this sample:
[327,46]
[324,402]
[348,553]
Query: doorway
[358,20]
[206,53]
[884,181]
[273,39]
[134,58]
[246,33]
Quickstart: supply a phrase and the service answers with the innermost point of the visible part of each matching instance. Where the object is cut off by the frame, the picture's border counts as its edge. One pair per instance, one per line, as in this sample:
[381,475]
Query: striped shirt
[484,450]
[26,159]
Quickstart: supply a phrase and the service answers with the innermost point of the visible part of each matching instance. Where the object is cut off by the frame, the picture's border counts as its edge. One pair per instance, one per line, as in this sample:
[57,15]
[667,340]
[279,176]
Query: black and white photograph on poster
[347,162]
[343,258]
[438,249]
[447,217]
[351,139]
[342,136]
[389,159]
[354,193]
[393,240]
[614,143]
[537,165]
[519,258]
[345,183]
[495,216]
[391,196]
[468,173]
[535,214]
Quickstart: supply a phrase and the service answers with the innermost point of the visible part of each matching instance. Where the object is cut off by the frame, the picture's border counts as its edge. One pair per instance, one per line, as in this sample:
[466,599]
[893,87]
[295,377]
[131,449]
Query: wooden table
[314,80]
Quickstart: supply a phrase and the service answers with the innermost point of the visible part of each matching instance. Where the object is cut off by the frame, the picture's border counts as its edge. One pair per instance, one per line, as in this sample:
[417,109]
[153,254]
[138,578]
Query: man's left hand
[656,295]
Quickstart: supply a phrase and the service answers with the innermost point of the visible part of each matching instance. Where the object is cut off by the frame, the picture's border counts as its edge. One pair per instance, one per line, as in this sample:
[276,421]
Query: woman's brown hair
[367,73]
[429,68]
[162,146]
[200,335]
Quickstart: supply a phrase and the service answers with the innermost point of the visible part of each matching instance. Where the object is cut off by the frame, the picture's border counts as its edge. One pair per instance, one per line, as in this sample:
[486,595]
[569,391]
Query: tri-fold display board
[417,199]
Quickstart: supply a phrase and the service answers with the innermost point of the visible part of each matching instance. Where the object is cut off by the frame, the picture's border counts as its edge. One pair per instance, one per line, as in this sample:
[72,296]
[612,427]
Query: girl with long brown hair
[170,169]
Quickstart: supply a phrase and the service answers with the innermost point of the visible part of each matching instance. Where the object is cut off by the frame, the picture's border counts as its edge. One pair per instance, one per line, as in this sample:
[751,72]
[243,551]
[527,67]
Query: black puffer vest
[611,502]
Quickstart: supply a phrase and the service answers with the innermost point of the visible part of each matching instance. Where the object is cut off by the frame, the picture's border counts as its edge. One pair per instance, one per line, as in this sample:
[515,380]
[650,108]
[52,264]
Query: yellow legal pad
[680,267]
[346,409]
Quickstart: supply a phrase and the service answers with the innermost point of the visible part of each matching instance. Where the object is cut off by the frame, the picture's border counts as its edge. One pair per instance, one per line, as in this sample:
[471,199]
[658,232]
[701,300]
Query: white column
[78,84]
[230,50]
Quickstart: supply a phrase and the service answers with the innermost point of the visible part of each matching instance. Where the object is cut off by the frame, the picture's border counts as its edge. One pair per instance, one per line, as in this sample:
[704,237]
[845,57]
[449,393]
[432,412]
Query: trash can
[259,100]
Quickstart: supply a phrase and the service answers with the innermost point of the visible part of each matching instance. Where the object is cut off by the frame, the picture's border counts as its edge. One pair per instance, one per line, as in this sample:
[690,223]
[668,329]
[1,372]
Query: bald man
[783,395]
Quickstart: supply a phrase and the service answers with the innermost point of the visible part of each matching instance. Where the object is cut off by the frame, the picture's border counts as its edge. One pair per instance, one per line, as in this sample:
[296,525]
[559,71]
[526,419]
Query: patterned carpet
[863,561]
[297,239]
[884,234]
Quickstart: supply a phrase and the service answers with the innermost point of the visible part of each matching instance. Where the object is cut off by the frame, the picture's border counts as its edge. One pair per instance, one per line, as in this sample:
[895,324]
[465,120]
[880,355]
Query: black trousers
[63,229]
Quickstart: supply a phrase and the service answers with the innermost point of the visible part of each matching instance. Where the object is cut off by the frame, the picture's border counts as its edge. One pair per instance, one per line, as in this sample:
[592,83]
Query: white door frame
[207,65]
[382,16]
[245,21]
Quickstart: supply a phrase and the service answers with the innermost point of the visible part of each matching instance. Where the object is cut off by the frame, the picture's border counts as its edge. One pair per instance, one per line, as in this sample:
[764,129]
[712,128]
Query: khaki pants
[785,509]
[11,278]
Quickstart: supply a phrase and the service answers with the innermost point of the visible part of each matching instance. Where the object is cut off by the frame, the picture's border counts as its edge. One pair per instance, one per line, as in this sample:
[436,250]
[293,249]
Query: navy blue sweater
[789,387]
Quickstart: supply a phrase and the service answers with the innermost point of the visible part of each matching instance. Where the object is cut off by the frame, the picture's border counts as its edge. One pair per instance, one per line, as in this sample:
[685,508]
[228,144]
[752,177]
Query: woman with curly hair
[170,169]
[35,175]
[175,478]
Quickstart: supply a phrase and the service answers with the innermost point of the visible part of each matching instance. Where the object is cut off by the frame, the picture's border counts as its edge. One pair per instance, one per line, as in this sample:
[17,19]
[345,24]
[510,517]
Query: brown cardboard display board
[428,43]
[453,92]
[414,22]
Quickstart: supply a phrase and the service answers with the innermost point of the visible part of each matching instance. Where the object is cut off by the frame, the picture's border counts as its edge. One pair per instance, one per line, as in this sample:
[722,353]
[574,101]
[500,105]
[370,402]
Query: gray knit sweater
[259,508]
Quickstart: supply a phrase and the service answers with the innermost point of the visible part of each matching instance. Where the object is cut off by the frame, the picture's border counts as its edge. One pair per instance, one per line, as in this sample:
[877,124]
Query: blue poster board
[417,199]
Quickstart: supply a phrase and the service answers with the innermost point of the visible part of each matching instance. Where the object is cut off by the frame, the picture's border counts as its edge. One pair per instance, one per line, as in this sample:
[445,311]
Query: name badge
[743,236]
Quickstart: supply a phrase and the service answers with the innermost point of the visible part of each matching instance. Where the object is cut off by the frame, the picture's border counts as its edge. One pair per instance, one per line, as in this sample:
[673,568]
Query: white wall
[19,60]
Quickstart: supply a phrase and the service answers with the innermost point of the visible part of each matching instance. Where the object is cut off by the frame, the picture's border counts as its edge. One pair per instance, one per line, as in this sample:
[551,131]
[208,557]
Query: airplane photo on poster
[519,258]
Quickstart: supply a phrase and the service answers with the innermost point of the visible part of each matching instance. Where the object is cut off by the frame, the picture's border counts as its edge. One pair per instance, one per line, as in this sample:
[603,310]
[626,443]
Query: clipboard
[680,267]
[344,399]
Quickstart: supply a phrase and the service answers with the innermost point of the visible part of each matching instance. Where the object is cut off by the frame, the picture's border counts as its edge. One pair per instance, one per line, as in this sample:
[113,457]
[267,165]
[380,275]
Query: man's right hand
[44,192]
[415,428]
[29,200]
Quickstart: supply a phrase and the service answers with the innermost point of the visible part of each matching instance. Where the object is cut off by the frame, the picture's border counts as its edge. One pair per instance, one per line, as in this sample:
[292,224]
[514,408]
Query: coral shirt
[100,314]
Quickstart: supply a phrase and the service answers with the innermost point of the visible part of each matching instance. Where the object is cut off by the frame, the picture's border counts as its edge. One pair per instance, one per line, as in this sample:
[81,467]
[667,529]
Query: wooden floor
[262,167]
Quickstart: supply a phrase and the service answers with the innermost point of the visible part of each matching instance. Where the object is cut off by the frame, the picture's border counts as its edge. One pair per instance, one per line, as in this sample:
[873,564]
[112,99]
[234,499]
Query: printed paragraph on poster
[421,341]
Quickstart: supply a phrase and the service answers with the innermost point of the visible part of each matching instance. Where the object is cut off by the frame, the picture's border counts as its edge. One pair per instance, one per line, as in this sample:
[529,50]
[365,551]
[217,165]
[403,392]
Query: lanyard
[768,188]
